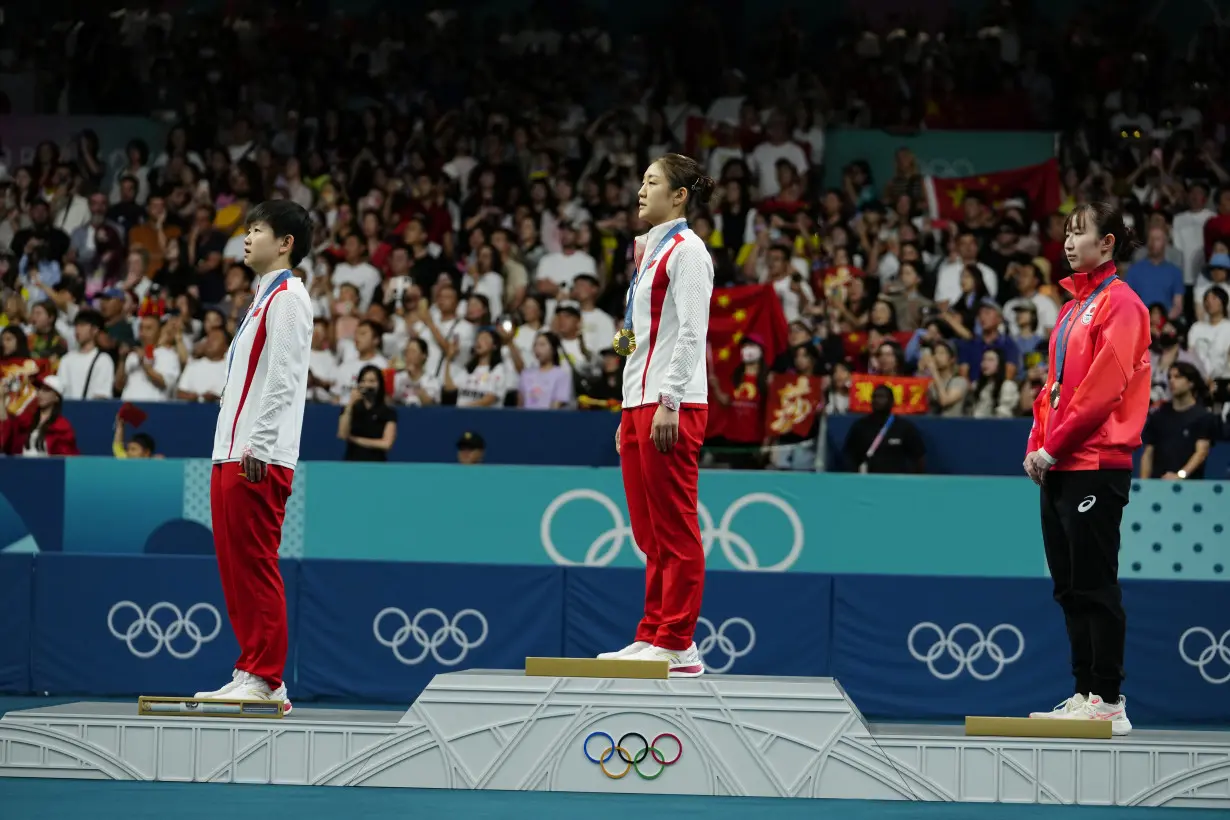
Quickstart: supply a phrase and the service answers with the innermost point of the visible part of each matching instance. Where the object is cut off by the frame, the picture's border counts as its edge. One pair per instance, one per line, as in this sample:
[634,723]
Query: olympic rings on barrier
[633,761]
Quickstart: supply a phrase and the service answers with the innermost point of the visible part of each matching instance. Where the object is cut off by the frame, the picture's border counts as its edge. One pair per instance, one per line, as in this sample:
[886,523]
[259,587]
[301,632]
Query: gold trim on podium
[1037,727]
[148,706]
[595,668]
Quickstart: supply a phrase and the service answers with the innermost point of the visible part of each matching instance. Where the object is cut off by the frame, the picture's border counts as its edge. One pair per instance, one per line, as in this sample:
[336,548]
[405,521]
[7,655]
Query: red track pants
[247,522]
[661,491]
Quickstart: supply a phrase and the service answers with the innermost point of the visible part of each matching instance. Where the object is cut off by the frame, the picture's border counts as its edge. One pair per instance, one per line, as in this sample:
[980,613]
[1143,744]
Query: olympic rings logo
[737,550]
[717,639]
[1217,648]
[965,658]
[164,635]
[430,642]
[632,762]
[939,167]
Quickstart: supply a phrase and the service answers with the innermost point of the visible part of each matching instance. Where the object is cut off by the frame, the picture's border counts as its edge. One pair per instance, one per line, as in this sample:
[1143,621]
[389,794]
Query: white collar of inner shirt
[655,236]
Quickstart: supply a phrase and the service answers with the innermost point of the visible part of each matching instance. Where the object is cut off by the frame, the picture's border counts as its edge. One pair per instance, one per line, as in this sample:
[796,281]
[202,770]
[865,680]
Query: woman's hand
[617,440]
[665,428]
[355,396]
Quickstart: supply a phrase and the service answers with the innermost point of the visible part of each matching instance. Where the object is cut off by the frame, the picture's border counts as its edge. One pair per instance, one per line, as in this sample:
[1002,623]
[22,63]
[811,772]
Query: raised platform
[724,735]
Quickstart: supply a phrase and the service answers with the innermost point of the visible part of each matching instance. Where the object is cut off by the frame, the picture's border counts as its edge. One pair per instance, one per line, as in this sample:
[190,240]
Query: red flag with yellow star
[735,314]
[1038,183]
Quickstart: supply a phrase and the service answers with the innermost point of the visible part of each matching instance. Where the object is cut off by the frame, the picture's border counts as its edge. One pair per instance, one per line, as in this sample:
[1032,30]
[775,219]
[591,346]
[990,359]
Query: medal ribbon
[1065,332]
[274,285]
[675,230]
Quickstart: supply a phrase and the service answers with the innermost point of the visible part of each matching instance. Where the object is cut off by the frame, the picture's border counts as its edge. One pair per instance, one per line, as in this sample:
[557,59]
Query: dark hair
[285,218]
[145,441]
[494,359]
[995,381]
[374,327]
[371,368]
[1219,294]
[553,340]
[1190,372]
[1107,219]
[19,338]
[684,172]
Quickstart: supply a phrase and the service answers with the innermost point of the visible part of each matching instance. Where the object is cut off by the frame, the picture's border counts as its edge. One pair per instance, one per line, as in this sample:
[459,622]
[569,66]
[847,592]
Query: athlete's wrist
[669,402]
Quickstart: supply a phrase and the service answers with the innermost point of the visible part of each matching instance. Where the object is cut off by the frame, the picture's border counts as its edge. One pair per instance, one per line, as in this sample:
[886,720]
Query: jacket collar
[1081,285]
[658,231]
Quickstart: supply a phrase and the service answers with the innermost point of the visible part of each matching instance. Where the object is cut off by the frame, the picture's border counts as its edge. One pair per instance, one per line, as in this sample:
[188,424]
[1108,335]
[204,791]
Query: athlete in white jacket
[256,447]
[665,411]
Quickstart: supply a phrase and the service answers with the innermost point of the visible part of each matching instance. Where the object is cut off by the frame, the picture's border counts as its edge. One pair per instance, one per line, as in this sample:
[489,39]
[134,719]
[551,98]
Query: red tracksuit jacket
[1104,400]
[59,439]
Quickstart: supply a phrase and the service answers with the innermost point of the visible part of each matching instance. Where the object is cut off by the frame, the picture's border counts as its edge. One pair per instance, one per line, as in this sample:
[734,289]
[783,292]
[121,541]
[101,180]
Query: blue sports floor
[36,799]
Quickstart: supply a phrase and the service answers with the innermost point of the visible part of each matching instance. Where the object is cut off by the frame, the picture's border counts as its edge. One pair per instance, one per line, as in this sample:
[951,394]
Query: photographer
[367,424]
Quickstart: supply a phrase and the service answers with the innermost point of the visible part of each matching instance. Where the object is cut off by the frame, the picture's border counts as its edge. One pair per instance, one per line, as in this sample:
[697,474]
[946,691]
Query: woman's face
[990,363]
[881,314]
[136,265]
[22,179]
[542,350]
[486,258]
[802,361]
[47,397]
[371,225]
[733,192]
[584,235]
[967,281]
[751,353]
[1083,245]
[475,310]
[942,355]
[531,311]
[841,375]
[414,355]
[369,381]
[886,358]
[213,319]
[8,344]
[1212,305]
[528,232]
[856,289]
[476,239]
[483,344]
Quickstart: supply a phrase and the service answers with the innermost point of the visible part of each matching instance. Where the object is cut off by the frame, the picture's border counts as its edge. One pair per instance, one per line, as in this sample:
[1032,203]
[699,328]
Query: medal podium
[589,731]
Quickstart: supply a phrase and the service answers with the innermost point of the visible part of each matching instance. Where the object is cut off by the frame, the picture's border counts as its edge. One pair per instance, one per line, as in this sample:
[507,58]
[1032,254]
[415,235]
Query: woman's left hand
[665,428]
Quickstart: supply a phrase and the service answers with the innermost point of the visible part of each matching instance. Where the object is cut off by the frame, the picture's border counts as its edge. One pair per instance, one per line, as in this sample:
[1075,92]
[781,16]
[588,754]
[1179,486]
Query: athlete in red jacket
[1087,422]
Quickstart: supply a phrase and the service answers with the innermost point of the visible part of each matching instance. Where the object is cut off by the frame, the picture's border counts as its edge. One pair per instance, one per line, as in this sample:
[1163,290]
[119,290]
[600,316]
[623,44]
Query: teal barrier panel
[940,153]
[751,521]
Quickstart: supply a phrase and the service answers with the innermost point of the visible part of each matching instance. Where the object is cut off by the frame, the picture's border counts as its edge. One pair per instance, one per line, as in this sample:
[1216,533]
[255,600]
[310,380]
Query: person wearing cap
[87,372]
[1155,279]
[117,330]
[574,351]
[1215,276]
[40,429]
[597,326]
[665,411]
[1046,311]
[989,335]
[471,449]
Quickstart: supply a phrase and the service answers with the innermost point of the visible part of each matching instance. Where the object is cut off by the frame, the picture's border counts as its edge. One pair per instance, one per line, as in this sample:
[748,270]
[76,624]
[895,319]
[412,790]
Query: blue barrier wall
[904,647]
[579,439]
[569,516]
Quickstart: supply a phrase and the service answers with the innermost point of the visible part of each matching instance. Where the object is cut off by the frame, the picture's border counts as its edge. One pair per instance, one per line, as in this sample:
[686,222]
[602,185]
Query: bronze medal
[624,342]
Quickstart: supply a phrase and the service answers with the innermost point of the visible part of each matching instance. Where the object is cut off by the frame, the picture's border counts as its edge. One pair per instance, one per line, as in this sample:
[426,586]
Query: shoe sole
[686,672]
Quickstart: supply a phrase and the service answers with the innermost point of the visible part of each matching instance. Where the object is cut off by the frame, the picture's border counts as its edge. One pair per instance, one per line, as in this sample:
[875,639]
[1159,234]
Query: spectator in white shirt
[413,385]
[574,352]
[1209,339]
[1028,280]
[482,277]
[87,372]
[777,147]
[948,277]
[367,339]
[482,381]
[1188,231]
[204,377]
[441,326]
[149,373]
[322,362]
[557,270]
[597,326]
[357,271]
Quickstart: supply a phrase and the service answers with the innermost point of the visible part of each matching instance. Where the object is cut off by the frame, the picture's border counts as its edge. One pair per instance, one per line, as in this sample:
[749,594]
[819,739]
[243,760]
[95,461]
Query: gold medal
[624,342]
[1055,395]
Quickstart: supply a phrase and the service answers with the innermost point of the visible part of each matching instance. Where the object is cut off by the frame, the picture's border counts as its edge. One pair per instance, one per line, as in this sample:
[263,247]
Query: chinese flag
[734,314]
[1039,183]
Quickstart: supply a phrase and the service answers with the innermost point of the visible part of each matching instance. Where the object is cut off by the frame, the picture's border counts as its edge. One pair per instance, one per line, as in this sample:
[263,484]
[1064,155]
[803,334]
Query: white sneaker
[685,664]
[627,651]
[237,677]
[256,688]
[1097,709]
[1064,710]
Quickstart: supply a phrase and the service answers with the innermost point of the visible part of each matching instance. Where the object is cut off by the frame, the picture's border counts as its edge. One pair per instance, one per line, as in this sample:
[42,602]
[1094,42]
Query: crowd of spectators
[473,191]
